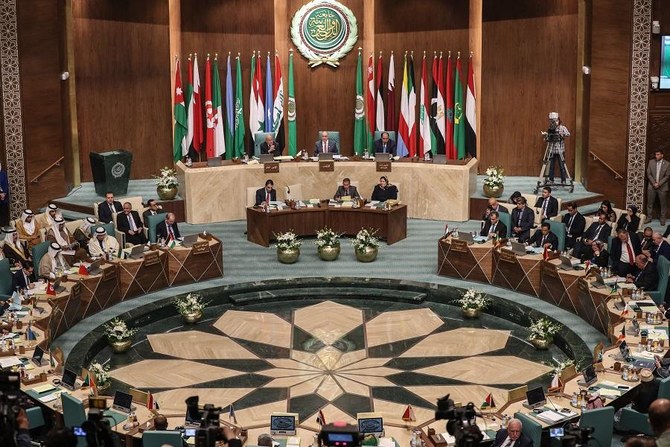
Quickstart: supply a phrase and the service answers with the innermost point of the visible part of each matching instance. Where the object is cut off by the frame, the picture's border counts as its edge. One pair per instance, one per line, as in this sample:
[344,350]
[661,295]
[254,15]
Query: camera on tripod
[97,429]
[573,435]
[11,403]
[209,431]
[552,135]
[461,422]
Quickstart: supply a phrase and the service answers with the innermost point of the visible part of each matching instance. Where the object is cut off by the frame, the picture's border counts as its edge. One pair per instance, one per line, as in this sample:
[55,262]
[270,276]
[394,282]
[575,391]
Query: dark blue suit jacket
[523,441]
[4,184]
[390,147]
[260,196]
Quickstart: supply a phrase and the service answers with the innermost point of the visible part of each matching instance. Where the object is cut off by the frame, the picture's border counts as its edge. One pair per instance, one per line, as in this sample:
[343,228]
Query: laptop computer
[566,263]
[94,268]
[624,350]
[328,156]
[266,158]
[518,248]
[590,376]
[123,402]
[535,398]
[382,157]
[190,240]
[599,283]
[620,304]
[57,287]
[216,161]
[38,354]
[137,252]
[68,380]
[643,363]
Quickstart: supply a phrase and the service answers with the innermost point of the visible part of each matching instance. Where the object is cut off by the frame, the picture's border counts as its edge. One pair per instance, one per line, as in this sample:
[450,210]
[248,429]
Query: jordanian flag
[180,147]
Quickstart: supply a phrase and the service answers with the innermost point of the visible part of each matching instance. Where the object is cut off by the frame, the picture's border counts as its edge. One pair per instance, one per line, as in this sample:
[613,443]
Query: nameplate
[326,166]
[271,167]
[150,258]
[459,246]
[383,166]
[75,292]
[549,269]
[507,256]
[200,248]
[583,286]
[108,273]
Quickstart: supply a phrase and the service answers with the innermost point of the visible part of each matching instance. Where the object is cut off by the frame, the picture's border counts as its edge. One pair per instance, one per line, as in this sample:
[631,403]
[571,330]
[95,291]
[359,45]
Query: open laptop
[590,376]
[535,398]
[38,354]
[620,304]
[137,252]
[566,263]
[68,380]
[328,156]
[599,282]
[190,240]
[266,158]
[57,287]
[624,350]
[123,402]
[518,248]
[216,161]
[94,268]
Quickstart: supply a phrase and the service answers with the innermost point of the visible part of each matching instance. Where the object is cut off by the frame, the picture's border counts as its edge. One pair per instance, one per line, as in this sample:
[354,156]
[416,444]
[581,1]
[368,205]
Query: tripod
[543,178]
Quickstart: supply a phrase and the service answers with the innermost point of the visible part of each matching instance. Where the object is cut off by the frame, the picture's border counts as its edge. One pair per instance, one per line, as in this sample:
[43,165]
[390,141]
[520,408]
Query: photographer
[555,138]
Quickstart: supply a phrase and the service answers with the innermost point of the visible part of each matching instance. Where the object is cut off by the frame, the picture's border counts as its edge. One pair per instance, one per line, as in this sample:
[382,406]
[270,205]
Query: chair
[639,422]
[558,228]
[251,195]
[663,266]
[506,218]
[259,138]
[151,223]
[35,417]
[530,428]
[154,438]
[333,135]
[39,250]
[73,415]
[72,225]
[602,420]
[6,280]
[296,192]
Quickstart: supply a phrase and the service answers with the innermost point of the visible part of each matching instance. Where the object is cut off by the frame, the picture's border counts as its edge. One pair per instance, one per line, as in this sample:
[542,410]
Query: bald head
[659,416]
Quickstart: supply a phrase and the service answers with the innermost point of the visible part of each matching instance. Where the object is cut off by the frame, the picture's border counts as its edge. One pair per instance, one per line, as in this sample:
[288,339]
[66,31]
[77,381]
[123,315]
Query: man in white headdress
[102,244]
[13,249]
[46,219]
[83,233]
[59,233]
[28,229]
[52,261]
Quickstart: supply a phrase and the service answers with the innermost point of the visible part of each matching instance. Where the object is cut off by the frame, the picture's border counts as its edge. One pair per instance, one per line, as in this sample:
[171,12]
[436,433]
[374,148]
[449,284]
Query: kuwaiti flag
[370,107]
[424,114]
[217,106]
[402,148]
[471,114]
[380,113]
[391,122]
[278,104]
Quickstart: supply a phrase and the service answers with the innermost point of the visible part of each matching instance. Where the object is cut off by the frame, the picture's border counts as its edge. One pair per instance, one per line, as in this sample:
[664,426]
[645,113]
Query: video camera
[573,435]
[11,403]
[552,135]
[209,431]
[97,429]
[461,422]
[339,434]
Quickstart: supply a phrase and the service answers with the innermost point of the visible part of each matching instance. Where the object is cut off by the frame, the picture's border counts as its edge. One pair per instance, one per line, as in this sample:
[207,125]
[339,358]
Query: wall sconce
[586,69]
[655,27]
[654,82]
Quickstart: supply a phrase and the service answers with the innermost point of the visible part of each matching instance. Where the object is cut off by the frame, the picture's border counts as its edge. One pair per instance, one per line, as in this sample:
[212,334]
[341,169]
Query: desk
[390,225]
[520,273]
[457,259]
[202,261]
[141,276]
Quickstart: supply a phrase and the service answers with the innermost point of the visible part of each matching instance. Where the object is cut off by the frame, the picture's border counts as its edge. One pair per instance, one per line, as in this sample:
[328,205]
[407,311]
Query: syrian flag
[408,414]
[489,402]
[278,103]
[231,414]
[321,419]
[424,114]
[260,97]
[471,114]
[370,107]
[390,97]
[380,94]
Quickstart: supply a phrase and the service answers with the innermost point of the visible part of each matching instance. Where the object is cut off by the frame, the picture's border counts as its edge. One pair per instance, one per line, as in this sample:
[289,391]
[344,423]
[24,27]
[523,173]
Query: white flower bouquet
[100,372]
[117,330]
[327,238]
[365,238]
[494,177]
[167,178]
[544,329]
[474,299]
[190,304]
[288,241]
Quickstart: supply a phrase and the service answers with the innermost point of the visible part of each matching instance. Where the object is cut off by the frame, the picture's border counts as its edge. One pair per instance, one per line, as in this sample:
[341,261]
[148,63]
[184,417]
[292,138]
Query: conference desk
[391,225]
[431,191]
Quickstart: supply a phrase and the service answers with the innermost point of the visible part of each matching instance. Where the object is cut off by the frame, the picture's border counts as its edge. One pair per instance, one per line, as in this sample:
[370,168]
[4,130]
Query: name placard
[150,258]
[76,291]
[326,166]
[383,166]
[200,248]
[549,269]
[583,286]
[271,167]
[109,273]
[507,256]
[459,246]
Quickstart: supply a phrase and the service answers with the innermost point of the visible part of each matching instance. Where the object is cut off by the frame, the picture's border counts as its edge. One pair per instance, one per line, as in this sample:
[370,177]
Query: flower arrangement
[544,329]
[167,178]
[288,241]
[558,367]
[117,330]
[365,238]
[474,299]
[494,177]
[101,374]
[190,304]
[327,238]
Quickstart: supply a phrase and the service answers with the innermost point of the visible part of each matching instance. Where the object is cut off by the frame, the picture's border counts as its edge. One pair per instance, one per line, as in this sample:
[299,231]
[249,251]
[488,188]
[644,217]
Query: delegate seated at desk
[493,205]
[154,208]
[385,145]
[623,251]
[270,146]
[346,190]
[51,261]
[130,224]
[544,238]
[599,230]
[168,229]
[266,194]
[492,225]
[574,225]
[102,244]
[384,190]
[23,278]
[522,220]
[600,256]
[108,208]
[325,146]
[645,276]
[512,436]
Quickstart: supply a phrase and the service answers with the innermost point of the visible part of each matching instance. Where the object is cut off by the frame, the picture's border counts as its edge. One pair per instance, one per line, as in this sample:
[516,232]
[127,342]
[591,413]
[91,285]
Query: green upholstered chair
[151,223]
[259,138]
[73,415]
[35,417]
[558,228]
[602,421]
[156,438]
[506,218]
[663,266]
[333,135]
[530,427]
[6,280]
[39,250]
[378,134]
[639,422]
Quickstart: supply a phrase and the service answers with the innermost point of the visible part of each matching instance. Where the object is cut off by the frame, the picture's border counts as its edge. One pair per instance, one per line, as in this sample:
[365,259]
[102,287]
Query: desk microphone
[552,404]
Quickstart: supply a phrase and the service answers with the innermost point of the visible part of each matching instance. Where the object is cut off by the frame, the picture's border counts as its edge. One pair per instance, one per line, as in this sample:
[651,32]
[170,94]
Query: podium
[111,171]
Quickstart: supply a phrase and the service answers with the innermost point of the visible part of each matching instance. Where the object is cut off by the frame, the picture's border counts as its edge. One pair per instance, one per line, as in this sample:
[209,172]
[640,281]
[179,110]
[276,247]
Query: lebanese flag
[209,110]
[390,97]
[370,107]
[471,114]
[408,414]
[424,114]
[449,137]
[380,94]
[50,288]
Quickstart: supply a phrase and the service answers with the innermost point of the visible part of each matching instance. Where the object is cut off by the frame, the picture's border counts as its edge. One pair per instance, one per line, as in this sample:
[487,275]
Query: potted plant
[473,302]
[288,247]
[100,375]
[542,332]
[167,184]
[366,245]
[494,183]
[328,244]
[119,336]
[190,307]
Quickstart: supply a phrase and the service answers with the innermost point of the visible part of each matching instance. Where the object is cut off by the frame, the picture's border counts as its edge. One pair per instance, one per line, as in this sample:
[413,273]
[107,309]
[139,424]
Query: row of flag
[446,120]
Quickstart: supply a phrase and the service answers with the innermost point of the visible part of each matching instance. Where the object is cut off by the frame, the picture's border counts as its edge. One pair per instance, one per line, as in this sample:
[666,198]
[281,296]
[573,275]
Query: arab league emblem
[324,31]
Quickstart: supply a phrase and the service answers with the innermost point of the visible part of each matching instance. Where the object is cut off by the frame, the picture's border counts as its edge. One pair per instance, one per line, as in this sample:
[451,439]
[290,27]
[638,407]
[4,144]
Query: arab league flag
[238,143]
[217,106]
[471,114]
[292,127]
[370,105]
[180,147]
[359,110]
[459,117]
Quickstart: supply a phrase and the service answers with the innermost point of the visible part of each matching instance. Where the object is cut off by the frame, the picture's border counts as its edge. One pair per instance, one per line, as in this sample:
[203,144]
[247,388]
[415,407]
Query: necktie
[111,208]
[170,233]
[570,222]
[267,197]
[600,227]
[544,207]
[544,240]
[325,147]
[131,221]
[631,257]
[520,215]
[493,228]
[346,192]
[26,278]
[384,147]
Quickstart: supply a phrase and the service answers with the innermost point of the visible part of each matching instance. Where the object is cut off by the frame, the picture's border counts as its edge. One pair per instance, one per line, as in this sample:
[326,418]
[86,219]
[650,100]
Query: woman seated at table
[384,190]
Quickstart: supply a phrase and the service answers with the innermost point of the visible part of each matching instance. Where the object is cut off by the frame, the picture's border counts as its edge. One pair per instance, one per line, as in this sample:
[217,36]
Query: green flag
[292,127]
[360,139]
[180,148]
[459,117]
[238,149]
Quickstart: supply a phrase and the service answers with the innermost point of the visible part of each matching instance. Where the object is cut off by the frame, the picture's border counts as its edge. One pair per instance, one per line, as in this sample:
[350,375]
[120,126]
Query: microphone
[552,404]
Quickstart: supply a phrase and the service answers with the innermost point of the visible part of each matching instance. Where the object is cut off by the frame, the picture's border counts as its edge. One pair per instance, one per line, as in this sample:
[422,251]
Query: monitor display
[623,348]
[283,424]
[122,402]
[664,78]
[590,375]
[535,396]
[69,379]
[368,426]
[37,355]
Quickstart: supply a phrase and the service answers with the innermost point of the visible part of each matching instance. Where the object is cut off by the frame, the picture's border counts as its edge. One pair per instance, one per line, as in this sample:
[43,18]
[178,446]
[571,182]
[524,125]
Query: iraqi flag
[152,404]
[408,414]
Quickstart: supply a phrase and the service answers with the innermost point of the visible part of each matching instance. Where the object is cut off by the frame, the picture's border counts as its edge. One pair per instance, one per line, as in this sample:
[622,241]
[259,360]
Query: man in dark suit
[129,222]
[168,229]
[267,194]
[346,189]
[23,279]
[645,275]
[493,206]
[512,436]
[544,237]
[493,226]
[154,208]
[324,145]
[623,251]
[599,230]
[270,146]
[108,208]
[547,203]
[522,220]
[574,225]
[385,145]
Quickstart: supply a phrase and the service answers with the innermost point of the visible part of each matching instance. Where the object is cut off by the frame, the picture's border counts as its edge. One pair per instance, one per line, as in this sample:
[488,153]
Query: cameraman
[22,435]
[555,137]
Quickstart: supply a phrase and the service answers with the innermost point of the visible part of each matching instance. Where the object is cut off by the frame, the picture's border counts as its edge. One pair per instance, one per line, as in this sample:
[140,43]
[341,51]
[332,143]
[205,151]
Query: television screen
[283,424]
[370,426]
[665,63]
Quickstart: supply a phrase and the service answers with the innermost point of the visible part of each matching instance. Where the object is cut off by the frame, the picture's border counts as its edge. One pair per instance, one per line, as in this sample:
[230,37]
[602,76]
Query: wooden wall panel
[658,136]
[610,68]
[123,81]
[39,33]
[529,67]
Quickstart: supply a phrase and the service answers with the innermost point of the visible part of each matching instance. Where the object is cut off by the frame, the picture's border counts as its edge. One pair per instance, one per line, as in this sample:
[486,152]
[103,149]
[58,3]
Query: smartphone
[556,432]
[190,432]
[78,431]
